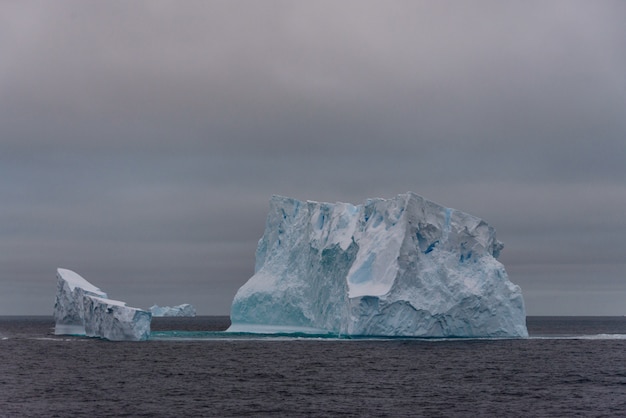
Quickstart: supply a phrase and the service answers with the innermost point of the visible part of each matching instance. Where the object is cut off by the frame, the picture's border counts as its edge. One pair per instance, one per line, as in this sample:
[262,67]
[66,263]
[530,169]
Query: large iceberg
[185,309]
[404,266]
[83,309]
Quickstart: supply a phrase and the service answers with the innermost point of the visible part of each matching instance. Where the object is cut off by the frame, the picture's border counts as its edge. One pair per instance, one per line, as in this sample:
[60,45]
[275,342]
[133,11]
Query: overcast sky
[140,141]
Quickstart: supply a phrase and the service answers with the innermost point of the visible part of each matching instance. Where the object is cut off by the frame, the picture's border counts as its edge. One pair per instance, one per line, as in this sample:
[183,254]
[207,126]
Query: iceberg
[401,267]
[179,310]
[81,308]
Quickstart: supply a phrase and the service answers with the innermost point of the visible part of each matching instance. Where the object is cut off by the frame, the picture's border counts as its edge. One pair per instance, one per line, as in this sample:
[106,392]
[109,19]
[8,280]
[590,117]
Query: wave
[582,337]
[182,336]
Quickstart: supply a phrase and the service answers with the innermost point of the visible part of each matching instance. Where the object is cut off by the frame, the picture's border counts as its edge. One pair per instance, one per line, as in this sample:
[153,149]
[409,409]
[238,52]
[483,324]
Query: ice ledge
[275,329]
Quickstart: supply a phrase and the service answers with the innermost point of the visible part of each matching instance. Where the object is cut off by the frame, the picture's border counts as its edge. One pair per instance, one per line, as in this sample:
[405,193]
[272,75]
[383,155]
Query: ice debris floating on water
[391,267]
[83,309]
[179,310]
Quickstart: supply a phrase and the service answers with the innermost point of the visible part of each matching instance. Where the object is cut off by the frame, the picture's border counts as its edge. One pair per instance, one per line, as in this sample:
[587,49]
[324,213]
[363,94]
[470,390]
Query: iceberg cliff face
[83,309]
[185,309]
[68,307]
[113,320]
[398,267]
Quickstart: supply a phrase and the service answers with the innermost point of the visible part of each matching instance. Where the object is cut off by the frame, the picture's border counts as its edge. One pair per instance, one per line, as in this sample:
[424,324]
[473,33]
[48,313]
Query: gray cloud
[140,142]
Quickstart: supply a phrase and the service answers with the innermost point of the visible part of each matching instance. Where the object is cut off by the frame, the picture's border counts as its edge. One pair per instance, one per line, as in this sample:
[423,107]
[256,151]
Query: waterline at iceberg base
[399,267]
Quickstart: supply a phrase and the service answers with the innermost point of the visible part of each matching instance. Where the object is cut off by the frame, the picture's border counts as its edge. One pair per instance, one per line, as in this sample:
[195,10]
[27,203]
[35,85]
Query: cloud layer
[140,142]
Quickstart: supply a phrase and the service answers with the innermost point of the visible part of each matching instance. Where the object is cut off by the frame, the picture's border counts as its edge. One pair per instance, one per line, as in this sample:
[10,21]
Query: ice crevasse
[81,308]
[403,266]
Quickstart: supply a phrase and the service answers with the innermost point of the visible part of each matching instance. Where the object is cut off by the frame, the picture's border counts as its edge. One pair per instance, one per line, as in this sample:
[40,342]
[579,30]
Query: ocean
[570,366]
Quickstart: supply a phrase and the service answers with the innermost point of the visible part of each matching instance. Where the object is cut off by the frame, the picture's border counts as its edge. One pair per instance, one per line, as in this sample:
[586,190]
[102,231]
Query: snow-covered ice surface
[391,267]
[83,309]
[185,309]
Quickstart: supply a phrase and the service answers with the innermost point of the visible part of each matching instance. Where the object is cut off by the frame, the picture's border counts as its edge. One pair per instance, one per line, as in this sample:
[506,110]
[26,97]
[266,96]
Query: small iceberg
[81,308]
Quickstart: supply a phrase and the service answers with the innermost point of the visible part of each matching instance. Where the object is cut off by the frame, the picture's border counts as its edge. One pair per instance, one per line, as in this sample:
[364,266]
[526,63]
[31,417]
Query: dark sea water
[569,367]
